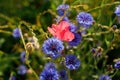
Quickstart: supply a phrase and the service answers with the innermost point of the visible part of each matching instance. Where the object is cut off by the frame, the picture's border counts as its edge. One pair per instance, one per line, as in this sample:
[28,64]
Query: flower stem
[99,7]
[27,53]
[115,73]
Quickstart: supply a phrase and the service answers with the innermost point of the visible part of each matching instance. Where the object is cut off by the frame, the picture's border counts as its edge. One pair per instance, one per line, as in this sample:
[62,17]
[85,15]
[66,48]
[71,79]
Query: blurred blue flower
[104,77]
[114,27]
[22,56]
[53,47]
[22,69]
[117,65]
[16,33]
[49,66]
[63,75]
[85,19]
[93,50]
[49,72]
[76,40]
[73,27]
[12,78]
[117,11]
[72,62]
[61,9]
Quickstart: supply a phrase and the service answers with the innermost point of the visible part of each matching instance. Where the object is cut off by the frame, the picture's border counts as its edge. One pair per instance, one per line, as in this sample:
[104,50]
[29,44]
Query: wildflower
[73,27]
[114,27]
[61,9]
[76,40]
[93,50]
[49,73]
[12,78]
[63,75]
[22,70]
[117,11]
[53,47]
[72,62]
[117,65]
[22,56]
[104,77]
[49,66]
[16,33]
[85,19]
[61,31]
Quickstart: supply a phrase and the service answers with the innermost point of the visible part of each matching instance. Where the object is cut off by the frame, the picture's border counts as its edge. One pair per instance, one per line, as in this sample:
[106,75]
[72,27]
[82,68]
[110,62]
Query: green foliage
[34,16]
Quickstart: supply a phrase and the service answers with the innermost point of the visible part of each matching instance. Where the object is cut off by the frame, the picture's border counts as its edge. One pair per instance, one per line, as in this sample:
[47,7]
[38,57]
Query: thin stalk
[99,7]
[27,53]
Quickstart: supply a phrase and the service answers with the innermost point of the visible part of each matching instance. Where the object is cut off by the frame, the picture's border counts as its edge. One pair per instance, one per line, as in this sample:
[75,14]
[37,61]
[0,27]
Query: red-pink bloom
[61,31]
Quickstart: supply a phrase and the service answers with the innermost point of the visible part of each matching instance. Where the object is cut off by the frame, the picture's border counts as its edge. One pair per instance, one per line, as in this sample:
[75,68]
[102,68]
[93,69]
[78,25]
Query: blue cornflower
[76,40]
[49,72]
[85,19]
[49,65]
[22,56]
[16,33]
[72,62]
[61,9]
[12,78]
[22,69]
[104,77]
[117,11]
[73,27]
[63,75]
[53,47]
[117,65]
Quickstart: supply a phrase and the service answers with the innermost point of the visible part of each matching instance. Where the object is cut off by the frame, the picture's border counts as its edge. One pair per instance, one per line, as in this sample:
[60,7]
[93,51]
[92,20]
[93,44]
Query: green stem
[7,18]
[99,7]
[114,73]
[27,53]
[7,32]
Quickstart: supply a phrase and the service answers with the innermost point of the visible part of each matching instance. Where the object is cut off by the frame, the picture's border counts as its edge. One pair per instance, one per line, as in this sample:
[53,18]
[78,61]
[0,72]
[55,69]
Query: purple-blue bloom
[53,47]
[76,40]
[104,77]
[117,11]
[16,33]
[61,9]
[63,75]
[22,69]
[93,50]
[72,62]
[12,78]
[49,72]
[49,66]
[85,19]
[22,56]
[117,65]
[73,27]
[114,27]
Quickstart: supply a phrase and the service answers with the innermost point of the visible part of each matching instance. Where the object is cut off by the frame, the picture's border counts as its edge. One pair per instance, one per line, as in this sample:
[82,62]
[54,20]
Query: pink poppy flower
[61,31]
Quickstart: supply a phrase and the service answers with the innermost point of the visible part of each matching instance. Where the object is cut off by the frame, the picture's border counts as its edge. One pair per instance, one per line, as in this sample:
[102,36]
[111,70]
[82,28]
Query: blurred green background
[41,14]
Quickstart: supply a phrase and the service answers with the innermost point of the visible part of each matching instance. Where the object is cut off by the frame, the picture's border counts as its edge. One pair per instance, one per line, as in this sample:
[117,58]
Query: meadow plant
[80,43]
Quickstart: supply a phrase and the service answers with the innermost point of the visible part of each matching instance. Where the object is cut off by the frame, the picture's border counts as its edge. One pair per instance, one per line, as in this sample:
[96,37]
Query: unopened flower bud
[29,47]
